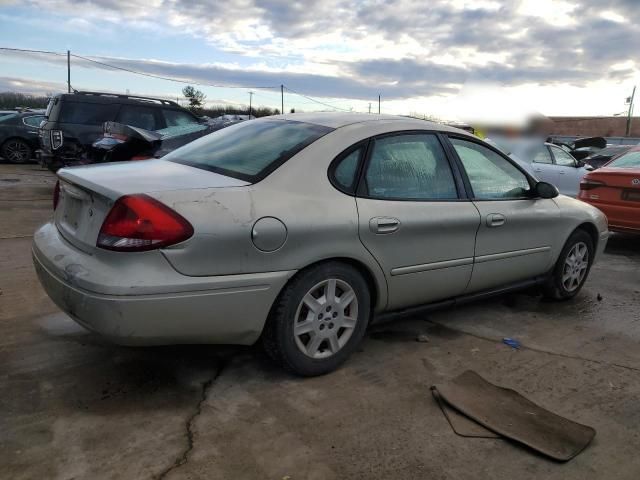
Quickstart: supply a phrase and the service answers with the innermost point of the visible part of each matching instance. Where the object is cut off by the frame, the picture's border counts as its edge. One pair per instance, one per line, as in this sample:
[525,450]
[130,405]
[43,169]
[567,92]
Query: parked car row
[75,121]
[19,134]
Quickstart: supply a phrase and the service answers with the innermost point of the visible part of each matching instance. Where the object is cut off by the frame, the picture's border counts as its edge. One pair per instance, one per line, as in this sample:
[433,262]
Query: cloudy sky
[452,59]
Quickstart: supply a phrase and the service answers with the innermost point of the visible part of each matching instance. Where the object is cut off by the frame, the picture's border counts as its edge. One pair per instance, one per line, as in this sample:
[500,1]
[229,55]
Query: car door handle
[537,169]
[384,225]
[562,172]
[495,220]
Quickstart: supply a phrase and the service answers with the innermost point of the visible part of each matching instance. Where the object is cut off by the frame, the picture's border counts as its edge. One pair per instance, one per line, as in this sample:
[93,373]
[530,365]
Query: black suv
[75,120]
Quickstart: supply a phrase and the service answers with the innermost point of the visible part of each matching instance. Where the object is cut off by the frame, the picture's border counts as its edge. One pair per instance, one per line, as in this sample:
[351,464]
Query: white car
[550,163]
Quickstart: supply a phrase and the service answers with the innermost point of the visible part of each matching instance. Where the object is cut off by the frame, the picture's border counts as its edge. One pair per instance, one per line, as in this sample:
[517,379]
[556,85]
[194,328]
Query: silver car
[298,230]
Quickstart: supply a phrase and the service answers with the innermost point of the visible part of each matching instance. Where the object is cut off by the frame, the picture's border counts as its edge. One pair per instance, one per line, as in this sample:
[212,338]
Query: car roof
[342,119]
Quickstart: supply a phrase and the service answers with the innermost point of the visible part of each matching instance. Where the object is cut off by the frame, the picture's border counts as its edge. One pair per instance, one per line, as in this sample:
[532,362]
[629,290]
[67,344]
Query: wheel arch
[376,283]
[591,230]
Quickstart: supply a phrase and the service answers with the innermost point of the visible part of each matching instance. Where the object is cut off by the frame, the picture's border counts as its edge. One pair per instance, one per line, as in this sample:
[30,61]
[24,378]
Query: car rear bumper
[228,309]
[622,218]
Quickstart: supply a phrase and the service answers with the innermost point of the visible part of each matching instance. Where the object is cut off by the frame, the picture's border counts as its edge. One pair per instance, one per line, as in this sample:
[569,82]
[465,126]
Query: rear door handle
[495,220]
[384,225]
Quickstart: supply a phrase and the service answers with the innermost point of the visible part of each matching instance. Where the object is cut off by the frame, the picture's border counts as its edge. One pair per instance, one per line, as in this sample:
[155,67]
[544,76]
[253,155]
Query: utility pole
[282,99]
[68,71]
[250,97]
[378,104]
[630,113]
[369,107]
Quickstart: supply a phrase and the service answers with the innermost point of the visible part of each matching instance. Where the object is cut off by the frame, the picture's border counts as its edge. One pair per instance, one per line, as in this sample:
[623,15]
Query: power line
[317,101]
[160,77]
[170,79]
[136,72]
[25,50]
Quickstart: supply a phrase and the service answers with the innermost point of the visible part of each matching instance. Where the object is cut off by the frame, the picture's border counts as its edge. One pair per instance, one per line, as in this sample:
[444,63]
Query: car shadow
[623,244]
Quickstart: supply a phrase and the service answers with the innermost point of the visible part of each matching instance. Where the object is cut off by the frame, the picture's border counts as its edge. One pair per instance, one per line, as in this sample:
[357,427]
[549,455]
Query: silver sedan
[298,230]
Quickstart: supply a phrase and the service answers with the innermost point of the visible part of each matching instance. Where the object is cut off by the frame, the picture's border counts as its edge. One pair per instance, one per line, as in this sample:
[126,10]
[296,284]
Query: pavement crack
[539,350]
[189,425]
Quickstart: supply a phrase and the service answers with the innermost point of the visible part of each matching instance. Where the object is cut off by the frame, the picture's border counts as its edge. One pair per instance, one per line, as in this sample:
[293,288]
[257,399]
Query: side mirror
[545,190]
[589,168]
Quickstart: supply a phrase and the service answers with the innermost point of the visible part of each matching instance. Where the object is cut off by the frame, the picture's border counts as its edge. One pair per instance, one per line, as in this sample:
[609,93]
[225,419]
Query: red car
[615,189]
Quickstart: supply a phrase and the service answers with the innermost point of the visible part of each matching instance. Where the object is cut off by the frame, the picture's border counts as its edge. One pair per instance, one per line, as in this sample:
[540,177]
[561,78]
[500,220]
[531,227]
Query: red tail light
[587,184]
[56,195]
[138,222]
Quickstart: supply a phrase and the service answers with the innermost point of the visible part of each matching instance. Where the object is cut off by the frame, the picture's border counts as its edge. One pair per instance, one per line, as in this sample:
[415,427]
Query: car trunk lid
[88,193]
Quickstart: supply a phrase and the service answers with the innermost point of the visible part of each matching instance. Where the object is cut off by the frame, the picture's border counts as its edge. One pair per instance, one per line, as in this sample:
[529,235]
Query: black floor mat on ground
[463,426]
[506,412]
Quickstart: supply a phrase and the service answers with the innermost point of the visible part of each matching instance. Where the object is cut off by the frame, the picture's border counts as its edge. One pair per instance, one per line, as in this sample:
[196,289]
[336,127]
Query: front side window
[492,177]
[410,167]
[249,150]
[34,121]
[542,155]
[563,159]
[87,113]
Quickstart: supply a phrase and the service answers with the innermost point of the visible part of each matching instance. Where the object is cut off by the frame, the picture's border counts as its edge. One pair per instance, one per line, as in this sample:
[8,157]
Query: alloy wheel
[17,152]
[575,266]
[326,318]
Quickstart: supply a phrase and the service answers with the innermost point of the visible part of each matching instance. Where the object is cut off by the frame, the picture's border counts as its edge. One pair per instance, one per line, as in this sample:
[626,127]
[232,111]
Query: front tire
[17,151]
[318,320]
[572,267]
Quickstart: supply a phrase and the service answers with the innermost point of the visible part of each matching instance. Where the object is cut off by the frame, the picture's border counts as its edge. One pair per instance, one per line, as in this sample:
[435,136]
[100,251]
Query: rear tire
[572,268]
[318,320]
[17,151]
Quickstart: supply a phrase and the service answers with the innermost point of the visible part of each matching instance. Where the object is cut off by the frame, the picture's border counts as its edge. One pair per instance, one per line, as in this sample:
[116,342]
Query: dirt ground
[75,407]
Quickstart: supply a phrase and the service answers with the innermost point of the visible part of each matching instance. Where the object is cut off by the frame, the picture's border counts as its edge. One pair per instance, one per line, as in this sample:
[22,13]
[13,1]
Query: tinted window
[33,121]
[249,150]
[491,176]
[563,158]
[87,113]
[176,118]
[410,167]
[628,160]
[138,116]
[345,173]
[6,116]
[541,155]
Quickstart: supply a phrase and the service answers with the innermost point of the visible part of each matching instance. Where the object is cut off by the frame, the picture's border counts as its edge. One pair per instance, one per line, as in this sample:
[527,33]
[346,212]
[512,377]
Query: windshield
[249,150]
[628,160]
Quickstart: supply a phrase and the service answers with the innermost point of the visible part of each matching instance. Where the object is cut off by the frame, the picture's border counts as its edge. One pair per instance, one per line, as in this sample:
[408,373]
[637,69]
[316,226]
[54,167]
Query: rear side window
[563,158]
[87,113]
[346,169]
[491,175]
[139,116]
[410,167]
[176,118]
[249,150]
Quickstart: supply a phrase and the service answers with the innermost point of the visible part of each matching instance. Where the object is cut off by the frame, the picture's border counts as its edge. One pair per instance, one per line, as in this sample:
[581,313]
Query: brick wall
[594,126]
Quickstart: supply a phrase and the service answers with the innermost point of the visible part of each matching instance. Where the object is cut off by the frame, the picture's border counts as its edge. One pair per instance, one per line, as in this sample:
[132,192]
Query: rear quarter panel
[321,222]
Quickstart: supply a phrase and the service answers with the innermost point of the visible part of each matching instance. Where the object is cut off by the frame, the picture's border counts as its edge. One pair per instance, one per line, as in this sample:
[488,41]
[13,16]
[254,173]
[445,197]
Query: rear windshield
[87,113]
[628,160]
[249,150]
